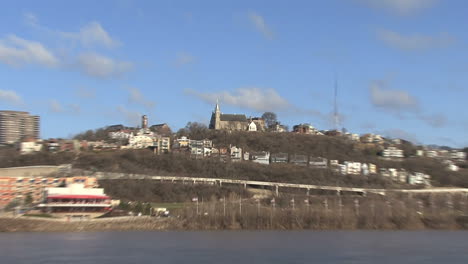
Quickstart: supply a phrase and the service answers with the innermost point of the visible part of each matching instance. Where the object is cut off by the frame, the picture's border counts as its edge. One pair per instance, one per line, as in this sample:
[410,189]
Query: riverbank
[33,224]
[146,223]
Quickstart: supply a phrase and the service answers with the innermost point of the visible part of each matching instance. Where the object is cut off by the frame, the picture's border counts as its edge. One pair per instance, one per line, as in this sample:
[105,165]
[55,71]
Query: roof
[233,117]
[159,125]
[77,196]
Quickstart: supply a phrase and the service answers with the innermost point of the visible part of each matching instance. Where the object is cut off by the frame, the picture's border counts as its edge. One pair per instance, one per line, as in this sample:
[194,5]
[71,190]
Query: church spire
[217,106]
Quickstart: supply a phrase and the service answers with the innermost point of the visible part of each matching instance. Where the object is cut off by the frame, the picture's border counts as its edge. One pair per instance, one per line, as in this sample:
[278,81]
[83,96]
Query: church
[235,122]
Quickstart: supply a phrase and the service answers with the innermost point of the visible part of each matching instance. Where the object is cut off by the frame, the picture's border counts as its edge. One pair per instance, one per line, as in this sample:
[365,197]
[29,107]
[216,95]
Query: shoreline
[146,223]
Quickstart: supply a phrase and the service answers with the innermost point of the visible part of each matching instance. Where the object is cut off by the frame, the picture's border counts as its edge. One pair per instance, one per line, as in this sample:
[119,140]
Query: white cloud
[390,99]
[31,19]
[257,99]
[55,106]
[136,97]
[131,117]
[85,93]
[184,59]
[259,23]
[434,120]
[10,97]
[400,7]
[16,51]
[415,42]
[100,66]
[92,34]
[402,104]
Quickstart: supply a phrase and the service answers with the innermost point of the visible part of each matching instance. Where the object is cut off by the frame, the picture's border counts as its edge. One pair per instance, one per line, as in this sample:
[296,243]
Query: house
[384,172]
[252,126]
[206,143]
[352,137]
[392,152]
[371,138]
[236,154]
[141,141]
[365,169]
[432,154]
[306,129]
[161,129]
[419,178]
[333,133]
[30,146]
[300,160]
[121,134]
[403,176]
[353,168]
[277,127]
[318,162]
[182,142]
[163,144]
[372,168]
[262,157]
[342,169]
[458,155]
[393,173]
[279,158]
[450,165]
[259,122]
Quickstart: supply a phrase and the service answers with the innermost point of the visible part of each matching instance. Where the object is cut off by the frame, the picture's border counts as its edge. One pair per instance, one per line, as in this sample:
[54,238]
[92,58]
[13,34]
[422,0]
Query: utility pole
[224,206]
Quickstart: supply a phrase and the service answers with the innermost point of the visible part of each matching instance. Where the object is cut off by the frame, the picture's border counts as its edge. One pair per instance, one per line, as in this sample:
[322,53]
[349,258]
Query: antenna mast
[335,110]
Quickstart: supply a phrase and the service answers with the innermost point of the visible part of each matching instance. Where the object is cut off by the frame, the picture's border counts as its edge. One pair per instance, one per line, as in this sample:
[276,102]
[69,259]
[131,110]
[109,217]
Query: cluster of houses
[204,149]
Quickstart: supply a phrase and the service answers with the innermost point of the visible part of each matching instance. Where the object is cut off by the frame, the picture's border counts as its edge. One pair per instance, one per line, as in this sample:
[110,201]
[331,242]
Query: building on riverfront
[75,202]
[17,183]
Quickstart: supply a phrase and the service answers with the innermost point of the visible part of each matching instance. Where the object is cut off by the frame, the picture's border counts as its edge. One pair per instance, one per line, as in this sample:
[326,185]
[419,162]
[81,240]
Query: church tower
[215,122]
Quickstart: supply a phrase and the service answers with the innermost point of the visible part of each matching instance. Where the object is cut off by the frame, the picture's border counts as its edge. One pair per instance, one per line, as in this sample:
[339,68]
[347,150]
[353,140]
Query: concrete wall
[31,171]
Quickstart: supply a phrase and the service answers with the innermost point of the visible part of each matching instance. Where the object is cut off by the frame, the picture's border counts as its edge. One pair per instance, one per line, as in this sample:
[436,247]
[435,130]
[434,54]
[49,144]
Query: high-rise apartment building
[16,126]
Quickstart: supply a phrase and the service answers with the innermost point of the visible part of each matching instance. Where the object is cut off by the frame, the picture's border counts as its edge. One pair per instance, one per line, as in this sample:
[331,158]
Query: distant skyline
[401,65]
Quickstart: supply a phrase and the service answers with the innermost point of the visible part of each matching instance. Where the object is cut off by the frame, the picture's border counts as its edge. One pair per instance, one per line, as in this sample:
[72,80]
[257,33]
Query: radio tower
[335,110]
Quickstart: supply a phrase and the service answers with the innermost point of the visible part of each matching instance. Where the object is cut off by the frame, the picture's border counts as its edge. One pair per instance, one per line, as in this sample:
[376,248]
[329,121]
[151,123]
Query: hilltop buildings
[16,126]
[235,122]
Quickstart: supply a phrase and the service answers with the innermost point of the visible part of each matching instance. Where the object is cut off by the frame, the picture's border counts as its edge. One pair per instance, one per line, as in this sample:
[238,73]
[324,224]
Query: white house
[252,126]
[30,146]
[140,141]
[261,157]
[393,152]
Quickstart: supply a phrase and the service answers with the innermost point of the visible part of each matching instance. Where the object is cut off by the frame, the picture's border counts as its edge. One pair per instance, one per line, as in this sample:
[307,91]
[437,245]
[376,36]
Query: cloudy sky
[401,65]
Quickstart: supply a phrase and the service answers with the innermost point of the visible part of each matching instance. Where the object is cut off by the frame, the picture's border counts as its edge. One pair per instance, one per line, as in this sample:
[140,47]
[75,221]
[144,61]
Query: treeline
[10,157]
[326,212]
[152,191]
[94,135]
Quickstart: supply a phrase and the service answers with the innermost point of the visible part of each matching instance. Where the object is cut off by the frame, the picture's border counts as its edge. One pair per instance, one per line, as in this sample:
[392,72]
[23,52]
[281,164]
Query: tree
[12,204]
[270,119]
[28,199]
[197,130]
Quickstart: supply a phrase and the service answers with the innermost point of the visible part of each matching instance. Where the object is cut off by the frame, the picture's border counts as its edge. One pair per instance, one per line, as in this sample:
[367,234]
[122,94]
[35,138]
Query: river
[236,247]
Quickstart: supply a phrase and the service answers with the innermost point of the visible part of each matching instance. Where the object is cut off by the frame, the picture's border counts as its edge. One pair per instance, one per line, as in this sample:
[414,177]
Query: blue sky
[401,65]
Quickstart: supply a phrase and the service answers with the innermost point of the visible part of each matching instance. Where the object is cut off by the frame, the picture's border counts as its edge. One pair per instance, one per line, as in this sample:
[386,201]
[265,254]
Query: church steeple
[215,122]
[217,106]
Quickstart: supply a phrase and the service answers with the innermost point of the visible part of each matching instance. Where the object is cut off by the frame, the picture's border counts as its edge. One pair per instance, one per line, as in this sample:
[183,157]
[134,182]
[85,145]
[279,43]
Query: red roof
[77,196]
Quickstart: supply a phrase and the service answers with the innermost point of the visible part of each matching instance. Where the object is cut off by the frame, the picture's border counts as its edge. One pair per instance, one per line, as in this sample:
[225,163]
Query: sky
[400,66]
